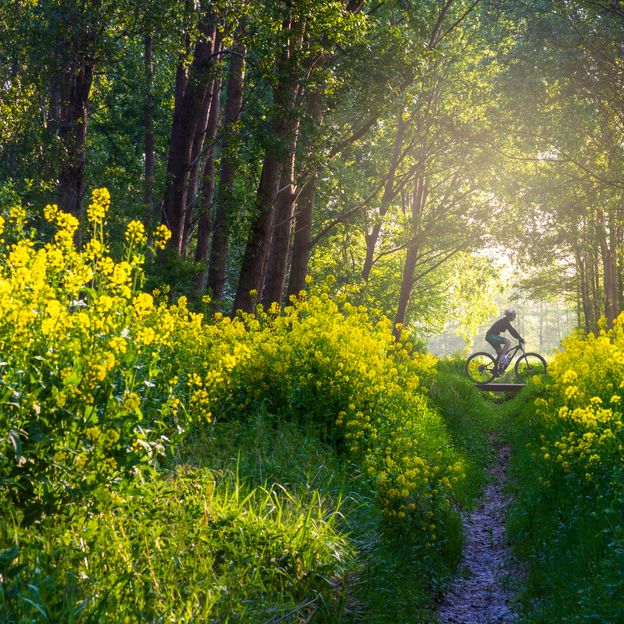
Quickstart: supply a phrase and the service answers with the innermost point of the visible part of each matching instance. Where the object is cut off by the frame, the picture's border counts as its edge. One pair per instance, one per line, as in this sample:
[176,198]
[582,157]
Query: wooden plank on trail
[500,387]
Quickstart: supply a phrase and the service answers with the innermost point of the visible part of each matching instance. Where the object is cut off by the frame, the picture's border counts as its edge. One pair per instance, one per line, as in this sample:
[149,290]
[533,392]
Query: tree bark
[148,121]
[607,235]
[594,281]
[224,204]
[302,239]
[208,187]
[73,89]
[250,283]
[201,154]
[282,228]
[188,112]
[418,202]
[581,267]
[250,280]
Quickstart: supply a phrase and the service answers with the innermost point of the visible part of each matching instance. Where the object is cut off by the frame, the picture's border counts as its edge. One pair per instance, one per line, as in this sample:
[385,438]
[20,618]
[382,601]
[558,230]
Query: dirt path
[483,590]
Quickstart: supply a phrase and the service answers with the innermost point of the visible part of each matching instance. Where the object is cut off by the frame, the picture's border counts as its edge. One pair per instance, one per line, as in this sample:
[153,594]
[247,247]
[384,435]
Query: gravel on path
[483,590]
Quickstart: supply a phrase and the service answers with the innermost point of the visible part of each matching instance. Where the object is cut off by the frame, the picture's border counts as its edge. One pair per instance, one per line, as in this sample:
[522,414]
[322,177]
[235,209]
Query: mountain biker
[493,336]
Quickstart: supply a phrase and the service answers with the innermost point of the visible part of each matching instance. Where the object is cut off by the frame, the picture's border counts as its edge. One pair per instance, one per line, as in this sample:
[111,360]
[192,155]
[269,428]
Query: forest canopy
[235,235]
[376,147]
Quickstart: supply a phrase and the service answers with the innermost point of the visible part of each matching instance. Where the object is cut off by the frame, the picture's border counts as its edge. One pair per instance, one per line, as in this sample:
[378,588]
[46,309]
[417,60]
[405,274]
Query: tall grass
[567,522]
[193,546]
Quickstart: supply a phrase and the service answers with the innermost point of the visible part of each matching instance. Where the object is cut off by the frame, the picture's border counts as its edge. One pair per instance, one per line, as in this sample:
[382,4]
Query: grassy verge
[196,546]
[253,520]
[156,465]
[469,416]
[390,574]
[566,527]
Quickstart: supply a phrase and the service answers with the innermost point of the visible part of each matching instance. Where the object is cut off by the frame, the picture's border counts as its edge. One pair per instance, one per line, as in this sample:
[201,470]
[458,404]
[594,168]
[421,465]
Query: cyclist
[493,336]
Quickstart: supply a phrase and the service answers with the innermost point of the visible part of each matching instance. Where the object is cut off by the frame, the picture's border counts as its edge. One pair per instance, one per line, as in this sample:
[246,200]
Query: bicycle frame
[511,354]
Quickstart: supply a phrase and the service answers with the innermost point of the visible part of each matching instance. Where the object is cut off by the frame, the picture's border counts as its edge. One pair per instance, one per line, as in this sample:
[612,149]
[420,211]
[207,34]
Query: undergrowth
[568,484]
[157,465]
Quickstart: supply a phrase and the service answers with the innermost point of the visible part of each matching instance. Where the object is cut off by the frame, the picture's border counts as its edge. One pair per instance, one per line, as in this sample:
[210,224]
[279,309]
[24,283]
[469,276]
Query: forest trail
[483,590]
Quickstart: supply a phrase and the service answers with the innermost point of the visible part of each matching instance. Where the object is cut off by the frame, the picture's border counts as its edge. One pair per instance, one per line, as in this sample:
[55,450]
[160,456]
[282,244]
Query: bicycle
[482,367]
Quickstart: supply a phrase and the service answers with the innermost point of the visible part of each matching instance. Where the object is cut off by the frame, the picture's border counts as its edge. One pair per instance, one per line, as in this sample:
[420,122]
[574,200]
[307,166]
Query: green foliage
[469,418]
[80,406]
[567,522]
[110,397]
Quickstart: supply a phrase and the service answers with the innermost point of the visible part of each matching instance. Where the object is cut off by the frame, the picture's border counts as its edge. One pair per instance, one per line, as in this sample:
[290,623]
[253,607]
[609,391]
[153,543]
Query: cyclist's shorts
[495,340]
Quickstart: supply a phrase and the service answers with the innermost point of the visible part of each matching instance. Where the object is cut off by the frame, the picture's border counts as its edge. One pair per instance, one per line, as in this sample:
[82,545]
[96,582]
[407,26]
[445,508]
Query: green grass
[570,540]
[255,520]
[195,546]
[391,576]
[469,416]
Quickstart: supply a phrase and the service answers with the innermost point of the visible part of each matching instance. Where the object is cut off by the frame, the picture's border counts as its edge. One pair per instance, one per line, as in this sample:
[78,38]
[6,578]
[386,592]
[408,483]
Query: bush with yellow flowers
[98,377]
[80,349]
[570,466]
[583,407]
[331,367]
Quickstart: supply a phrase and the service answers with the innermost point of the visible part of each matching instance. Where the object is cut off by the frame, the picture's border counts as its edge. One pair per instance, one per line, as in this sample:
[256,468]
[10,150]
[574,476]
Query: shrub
[79,383]
[571,469]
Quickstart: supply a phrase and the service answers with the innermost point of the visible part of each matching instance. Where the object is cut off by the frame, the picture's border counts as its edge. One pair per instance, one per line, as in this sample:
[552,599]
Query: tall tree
[287,66]
[75,55]
[226,199]
[192,104]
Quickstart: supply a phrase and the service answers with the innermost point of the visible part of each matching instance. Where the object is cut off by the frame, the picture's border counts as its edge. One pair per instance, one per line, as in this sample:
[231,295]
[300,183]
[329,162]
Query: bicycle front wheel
[480,367]
[530,364]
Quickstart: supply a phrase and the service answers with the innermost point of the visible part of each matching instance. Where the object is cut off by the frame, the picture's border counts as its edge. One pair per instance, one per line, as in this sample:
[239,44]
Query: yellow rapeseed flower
[98,208]
[135,233]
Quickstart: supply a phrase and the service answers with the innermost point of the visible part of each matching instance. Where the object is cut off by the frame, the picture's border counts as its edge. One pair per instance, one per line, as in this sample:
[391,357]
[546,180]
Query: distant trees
[567,124]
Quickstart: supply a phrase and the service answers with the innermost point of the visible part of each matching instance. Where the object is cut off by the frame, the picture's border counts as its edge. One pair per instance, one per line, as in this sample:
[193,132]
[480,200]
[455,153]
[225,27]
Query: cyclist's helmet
[510,312]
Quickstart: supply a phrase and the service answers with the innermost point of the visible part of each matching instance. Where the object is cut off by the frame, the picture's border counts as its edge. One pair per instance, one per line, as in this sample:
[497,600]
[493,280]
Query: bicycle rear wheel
[530,364]
[480,367]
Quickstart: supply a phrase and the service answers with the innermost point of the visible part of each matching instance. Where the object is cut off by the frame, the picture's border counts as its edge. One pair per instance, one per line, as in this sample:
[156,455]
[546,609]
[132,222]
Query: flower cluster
[329,365]
[97,374]
[98,208]
[582,408]
[80,370]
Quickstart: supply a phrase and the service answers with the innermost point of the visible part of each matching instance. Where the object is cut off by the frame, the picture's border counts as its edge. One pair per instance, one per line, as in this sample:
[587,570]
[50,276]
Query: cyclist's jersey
[502,325]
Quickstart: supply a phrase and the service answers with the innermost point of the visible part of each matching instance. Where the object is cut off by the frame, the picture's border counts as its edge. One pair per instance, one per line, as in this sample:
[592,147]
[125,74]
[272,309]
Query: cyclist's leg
[506,345]
[497,343]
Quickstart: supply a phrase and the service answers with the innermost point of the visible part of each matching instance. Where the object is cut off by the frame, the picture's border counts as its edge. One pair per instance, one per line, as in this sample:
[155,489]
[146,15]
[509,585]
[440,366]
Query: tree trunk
[607,234]
[201,154]
[208,187]
[594,283]
[406,289]
[541,326]
[301,247]
[282,228]
[598,291]
[74,88]
[250,280]
[581,267]
[224,204]
[148,120]
[418,202]
[187,114]
[373,235]
[250,283]
[303,233]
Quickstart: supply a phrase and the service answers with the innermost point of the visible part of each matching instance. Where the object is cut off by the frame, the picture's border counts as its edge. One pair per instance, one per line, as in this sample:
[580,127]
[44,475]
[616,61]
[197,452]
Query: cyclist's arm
[514,333]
